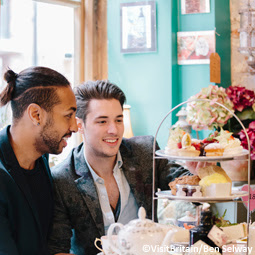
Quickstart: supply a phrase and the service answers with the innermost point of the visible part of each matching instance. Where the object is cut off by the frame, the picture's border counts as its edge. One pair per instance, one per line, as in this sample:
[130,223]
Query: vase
[237,170]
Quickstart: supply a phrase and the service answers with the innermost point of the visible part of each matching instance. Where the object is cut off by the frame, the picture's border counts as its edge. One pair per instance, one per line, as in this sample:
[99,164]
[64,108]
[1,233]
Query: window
[44,33]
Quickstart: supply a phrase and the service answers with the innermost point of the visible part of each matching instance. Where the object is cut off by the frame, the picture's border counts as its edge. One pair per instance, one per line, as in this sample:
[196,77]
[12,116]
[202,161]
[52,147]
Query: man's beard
[48,141]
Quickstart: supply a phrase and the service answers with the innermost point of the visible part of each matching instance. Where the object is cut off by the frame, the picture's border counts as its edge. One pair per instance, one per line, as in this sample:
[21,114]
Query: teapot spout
[168,238]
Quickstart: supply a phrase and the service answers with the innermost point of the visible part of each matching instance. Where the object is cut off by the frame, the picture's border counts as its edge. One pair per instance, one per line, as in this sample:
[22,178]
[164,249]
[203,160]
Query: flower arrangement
[244,106]
[207,115]
[251,133]
[238,99]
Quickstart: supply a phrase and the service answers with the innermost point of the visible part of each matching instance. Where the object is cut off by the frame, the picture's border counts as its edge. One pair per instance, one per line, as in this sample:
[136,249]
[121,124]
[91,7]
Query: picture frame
[195,47]
[195,6]
[138,27]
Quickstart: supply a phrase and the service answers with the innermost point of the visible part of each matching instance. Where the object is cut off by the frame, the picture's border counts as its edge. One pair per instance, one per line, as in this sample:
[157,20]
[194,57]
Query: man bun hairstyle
[100,89]
[33,85]
[6,94]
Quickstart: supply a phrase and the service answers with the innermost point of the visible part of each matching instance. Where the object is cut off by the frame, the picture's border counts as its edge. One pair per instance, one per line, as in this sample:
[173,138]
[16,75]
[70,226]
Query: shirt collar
[117,166]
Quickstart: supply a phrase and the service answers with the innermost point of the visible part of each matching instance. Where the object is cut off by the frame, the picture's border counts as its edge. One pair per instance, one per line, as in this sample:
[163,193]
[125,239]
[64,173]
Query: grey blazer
[77,208]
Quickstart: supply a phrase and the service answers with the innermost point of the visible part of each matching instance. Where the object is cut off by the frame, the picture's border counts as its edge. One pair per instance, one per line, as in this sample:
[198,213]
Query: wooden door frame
[91,30]
[95,40]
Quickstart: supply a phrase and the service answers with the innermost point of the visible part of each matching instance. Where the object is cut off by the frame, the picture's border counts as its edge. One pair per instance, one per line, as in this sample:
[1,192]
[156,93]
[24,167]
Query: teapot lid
[142,223]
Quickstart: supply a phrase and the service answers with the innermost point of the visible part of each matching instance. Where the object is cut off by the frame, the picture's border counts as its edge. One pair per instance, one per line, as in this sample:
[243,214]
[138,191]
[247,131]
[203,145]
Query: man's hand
[194,166]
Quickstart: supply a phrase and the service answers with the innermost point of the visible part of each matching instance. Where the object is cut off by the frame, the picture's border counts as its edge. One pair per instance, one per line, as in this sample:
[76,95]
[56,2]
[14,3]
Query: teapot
[139,237]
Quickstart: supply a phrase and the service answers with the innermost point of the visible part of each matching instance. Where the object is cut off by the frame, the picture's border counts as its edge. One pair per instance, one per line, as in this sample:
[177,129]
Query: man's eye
[102,122]
[120,120]
[69,115]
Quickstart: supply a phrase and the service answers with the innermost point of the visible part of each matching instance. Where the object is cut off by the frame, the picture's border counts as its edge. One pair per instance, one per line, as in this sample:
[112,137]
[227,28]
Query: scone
[187,179]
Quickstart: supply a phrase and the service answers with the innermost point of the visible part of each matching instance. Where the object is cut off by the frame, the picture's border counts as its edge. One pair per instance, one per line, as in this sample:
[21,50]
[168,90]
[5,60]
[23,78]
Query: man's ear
[35,114]
[80,125]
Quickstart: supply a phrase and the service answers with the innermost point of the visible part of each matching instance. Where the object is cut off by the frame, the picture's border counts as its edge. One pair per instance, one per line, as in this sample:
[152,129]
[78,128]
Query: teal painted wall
[153,82]
[146,77]
[223,42]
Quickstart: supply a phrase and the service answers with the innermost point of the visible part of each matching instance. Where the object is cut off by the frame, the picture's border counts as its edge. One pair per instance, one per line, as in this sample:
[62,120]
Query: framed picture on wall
[195,6]
[195,47]
[138,27]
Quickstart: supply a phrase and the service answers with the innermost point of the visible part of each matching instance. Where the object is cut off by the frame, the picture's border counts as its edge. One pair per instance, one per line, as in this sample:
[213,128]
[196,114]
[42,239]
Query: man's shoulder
[138,141]
[137,144]
[66,167]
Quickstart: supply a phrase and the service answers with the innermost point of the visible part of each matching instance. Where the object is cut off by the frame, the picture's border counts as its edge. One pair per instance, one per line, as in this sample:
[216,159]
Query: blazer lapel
[86,186]
[13,168]
[133,176]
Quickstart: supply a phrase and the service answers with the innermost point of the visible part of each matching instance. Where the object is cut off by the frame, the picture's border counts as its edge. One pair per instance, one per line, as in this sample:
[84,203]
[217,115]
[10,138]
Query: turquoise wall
[194,77]
[146,77]
[153,82]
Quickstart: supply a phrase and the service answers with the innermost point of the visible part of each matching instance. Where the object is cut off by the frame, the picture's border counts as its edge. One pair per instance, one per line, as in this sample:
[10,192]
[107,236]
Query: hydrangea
[241,97]
[251,134]
[207,115]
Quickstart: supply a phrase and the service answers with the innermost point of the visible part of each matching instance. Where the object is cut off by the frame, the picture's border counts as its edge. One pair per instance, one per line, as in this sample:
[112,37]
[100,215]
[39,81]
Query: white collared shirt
[129,207]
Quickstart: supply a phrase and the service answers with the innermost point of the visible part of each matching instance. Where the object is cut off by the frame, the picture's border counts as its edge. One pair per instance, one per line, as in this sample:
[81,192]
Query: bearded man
[43,117]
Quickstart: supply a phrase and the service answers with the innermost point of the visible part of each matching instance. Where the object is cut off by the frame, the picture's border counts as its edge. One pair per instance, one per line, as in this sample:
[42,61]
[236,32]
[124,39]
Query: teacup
[105,244]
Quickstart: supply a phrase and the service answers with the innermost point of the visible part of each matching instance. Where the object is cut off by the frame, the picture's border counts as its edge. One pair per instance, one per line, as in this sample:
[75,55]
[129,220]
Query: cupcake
[232,146]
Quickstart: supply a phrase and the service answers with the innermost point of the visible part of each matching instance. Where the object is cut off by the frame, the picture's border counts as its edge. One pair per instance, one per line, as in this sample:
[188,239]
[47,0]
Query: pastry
[232,146]
[212,169]
[214,181]
[187,179]
[213,149]
[199,145]
[187,149]
[211,138]
[188,152]
[174,141]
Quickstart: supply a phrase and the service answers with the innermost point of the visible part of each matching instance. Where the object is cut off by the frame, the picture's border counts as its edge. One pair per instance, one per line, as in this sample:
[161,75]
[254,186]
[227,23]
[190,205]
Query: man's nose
[74,126]
[112,129]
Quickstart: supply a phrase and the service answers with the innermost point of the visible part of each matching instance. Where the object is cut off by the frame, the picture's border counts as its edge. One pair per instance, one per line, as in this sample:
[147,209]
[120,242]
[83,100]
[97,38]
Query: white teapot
[139,237]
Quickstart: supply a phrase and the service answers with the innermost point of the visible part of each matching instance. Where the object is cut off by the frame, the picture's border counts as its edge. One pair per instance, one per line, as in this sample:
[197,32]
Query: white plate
[233,196]
[243,155]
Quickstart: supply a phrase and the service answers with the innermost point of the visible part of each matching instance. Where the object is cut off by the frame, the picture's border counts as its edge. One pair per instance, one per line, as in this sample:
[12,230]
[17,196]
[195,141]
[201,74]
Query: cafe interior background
[88,40]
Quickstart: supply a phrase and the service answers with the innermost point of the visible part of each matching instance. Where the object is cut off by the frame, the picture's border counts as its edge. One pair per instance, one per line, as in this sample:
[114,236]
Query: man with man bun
[43,118]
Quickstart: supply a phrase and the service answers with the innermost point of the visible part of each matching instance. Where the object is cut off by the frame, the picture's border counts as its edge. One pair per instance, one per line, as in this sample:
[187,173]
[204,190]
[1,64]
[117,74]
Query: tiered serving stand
[235,196]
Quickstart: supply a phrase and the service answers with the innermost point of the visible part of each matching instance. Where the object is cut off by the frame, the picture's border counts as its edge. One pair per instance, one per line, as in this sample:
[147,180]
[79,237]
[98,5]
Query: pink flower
[251,134]
[207,115]
[241,97]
